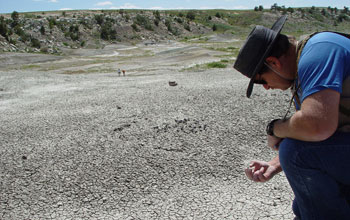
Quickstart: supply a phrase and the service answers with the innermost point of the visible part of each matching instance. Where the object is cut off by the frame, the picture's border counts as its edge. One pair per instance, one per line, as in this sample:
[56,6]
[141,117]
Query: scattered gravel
[99,146]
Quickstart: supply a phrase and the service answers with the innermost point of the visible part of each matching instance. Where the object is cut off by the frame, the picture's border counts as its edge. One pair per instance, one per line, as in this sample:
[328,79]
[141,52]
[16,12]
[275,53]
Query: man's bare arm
[315,121]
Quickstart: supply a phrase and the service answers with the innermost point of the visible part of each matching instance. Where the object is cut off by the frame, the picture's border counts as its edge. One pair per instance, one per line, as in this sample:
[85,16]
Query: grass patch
[195,39]
[71,72]
[224,49]
[201,67]
[216,65]
[30,66]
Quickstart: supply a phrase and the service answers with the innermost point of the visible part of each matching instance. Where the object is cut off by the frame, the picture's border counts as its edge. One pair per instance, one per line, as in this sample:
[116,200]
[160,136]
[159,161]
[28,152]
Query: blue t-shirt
[324,64]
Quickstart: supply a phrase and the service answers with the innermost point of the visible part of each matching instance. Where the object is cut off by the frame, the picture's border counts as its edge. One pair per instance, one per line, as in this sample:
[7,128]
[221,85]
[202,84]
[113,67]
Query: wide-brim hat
[255,50]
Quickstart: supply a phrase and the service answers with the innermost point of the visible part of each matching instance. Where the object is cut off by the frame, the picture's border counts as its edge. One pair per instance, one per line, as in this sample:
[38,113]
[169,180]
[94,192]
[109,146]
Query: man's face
[273,79]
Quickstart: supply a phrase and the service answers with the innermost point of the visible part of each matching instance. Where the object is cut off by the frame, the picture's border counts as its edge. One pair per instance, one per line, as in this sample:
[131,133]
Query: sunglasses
[260,81]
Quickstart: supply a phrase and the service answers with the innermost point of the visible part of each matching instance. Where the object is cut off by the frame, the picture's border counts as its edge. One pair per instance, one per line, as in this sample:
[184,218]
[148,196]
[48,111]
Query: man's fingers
[260,174]
[262,177]
[257,171]
[257,174]
[249,173]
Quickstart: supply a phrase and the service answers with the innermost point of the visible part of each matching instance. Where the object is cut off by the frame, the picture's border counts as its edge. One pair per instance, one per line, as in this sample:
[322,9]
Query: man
[314,150]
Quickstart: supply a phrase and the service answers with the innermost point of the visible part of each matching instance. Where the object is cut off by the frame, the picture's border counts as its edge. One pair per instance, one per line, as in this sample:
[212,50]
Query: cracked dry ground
[99,146]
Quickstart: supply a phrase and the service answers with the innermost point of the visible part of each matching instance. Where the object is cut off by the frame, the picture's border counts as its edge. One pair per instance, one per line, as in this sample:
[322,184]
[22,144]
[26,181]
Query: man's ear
[273,62]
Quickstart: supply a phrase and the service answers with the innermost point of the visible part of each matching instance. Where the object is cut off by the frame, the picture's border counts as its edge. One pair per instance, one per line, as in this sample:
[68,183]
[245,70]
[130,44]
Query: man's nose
[267,87]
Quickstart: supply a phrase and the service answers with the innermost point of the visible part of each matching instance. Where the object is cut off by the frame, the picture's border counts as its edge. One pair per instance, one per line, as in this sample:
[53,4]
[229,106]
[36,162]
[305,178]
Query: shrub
[127,17]
[175,31]
[35,42]
[342,17]
[135,28]
[324,12]
[12,41]
[15,18]
[179,20]
[52,22]
[4,31]
[19,31]
[140,20]
[24,38]
[191,15]
[42,30]
[74,36]
[107,32]
[187,27]
[156,14]
[156,22]
[99,19]
[143,21]
[74,28]
[149,27]
[44,50]
[73,32]
[168,23]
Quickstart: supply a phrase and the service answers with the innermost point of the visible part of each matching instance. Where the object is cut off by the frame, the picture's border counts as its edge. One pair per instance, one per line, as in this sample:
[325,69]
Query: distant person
[314,143]
[119,72]
[123,72]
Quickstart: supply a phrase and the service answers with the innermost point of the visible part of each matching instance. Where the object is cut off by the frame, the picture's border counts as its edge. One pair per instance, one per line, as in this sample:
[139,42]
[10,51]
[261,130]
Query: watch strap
[270,126]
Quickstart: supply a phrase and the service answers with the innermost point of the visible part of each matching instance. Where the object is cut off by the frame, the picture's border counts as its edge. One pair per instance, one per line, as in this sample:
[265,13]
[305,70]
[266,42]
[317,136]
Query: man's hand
[274,142]
[261,171]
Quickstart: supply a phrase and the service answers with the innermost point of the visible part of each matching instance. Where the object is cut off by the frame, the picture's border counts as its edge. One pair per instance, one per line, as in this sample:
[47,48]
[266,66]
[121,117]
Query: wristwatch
[269,127]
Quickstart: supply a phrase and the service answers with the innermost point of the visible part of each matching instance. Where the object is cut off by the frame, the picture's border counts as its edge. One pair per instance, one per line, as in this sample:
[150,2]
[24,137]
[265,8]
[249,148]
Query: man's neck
[290,60]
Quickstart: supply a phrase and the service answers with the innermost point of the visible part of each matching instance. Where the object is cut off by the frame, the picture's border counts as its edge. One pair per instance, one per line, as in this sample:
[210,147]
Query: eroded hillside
[53,32]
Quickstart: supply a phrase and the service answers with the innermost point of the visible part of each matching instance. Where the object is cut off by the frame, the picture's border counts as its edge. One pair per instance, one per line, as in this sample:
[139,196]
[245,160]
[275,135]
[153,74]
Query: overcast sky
[8,6]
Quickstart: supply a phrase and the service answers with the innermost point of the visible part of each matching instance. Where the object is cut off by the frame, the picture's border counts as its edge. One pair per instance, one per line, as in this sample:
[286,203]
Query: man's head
[260,44]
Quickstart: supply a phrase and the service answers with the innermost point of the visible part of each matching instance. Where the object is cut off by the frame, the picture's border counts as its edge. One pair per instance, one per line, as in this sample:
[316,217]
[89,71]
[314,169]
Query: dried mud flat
[80,142]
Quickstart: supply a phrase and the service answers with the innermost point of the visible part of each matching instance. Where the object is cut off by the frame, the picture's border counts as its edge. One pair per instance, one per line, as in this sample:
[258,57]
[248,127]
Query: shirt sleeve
[320,67]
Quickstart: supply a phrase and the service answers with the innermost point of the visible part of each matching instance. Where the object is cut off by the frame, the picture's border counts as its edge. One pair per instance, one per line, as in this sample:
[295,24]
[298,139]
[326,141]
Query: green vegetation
[74,32]
[135,28]
[30,66]
[108,32]
[4,30]
[143,21]
[191,15]
[35,42]
[200,67]
[216,65]
[42,30]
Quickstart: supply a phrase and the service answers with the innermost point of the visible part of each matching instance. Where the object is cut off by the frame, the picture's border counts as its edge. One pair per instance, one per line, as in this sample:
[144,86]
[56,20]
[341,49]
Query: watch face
[268,129]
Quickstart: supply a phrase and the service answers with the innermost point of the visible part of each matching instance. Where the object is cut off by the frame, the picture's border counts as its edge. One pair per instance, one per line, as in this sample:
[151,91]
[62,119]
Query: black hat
[255,50]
